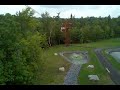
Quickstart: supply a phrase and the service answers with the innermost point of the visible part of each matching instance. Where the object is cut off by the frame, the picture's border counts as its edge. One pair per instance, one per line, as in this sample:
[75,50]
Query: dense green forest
[23,38]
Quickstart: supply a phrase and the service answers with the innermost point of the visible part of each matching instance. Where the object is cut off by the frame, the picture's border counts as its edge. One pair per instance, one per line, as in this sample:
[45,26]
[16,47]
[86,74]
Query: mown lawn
[98,70]
[52,76]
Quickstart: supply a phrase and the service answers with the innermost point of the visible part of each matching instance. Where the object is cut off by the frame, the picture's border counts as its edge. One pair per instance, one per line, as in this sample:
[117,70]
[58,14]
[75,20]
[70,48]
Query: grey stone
[62,69]
[75,55]
[90,66]
[55,54]
[93,77]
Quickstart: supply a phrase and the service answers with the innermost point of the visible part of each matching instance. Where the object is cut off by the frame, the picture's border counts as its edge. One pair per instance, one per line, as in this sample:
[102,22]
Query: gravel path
[72,75]
[115,76]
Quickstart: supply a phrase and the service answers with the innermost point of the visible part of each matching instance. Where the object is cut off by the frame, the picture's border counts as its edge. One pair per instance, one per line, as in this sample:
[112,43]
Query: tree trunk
[49,39]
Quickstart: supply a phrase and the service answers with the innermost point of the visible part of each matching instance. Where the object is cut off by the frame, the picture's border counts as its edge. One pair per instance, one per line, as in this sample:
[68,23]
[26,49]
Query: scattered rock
[55,54]
[93,77]
[62,69]
[75,55]
[90,66]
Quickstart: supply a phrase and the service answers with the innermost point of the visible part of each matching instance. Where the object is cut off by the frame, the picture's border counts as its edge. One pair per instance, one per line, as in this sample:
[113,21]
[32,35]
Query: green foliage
[20,48]
[89,29]
[75,35]
[51,28]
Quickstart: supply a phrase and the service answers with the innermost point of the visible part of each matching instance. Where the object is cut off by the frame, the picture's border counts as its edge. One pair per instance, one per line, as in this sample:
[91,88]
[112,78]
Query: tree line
[84,30]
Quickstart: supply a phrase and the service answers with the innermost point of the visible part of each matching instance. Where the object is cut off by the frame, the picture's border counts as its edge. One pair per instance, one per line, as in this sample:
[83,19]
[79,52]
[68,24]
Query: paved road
[115,76]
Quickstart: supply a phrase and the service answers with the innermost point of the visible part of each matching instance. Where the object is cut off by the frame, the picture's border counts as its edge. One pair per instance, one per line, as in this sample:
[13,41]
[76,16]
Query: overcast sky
[66,10]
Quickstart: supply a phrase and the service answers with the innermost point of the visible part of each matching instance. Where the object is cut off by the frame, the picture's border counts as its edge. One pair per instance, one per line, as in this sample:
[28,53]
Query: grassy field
[52,76]
[98,70]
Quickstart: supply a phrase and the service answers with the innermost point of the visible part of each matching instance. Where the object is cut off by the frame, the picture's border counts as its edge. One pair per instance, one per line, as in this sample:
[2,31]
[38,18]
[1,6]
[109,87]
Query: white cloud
[66,10]
[10,8]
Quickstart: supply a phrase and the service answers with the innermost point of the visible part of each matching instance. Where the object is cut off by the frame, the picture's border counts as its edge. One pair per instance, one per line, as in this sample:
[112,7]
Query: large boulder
[55,54]
[93,77]
[62,69]
[90,66]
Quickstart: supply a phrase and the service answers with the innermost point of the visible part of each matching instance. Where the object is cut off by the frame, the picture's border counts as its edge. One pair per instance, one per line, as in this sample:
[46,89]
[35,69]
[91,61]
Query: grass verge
[52,76]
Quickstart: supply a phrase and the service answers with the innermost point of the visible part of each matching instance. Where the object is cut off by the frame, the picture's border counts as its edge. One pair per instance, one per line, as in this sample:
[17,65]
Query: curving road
[115,76]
